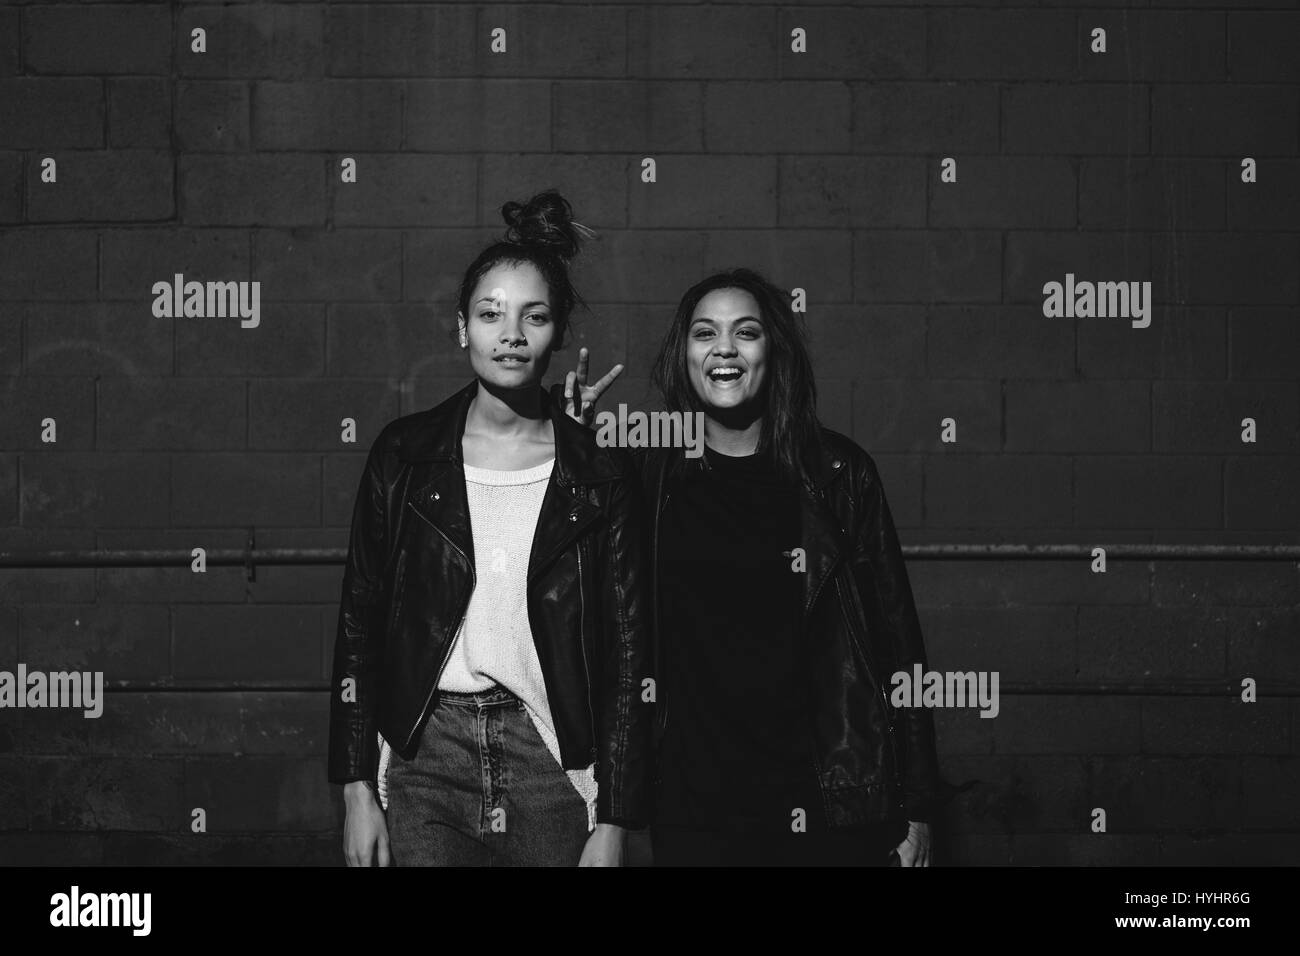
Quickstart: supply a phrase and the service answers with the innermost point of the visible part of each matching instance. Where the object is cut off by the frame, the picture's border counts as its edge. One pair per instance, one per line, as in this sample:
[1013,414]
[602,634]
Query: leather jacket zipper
[446,655]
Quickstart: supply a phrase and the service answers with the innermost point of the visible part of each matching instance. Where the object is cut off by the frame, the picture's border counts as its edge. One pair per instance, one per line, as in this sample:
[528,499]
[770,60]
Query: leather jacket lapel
[824,544]
[826,537]
[441,499]
[562,520]
[443,502]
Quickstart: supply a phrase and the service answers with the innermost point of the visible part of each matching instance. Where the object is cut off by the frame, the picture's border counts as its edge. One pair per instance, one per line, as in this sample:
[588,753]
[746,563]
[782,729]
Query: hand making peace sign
[587,394]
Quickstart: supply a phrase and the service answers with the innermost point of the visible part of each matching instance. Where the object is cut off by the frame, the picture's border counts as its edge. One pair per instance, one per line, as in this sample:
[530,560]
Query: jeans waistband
[496,696]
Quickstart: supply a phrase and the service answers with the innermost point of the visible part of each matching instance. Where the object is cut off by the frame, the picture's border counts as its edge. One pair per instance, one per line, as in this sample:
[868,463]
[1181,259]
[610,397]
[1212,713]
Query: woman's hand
[576,382]
[915,849]
[365,832]
[605,847]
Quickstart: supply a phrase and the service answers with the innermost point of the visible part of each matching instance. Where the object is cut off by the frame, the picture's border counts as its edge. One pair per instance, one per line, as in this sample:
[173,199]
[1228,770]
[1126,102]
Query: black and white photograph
[827,433]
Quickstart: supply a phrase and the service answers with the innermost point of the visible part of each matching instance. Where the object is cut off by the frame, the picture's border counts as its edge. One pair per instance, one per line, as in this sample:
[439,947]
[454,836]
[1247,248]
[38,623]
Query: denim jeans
[483,790]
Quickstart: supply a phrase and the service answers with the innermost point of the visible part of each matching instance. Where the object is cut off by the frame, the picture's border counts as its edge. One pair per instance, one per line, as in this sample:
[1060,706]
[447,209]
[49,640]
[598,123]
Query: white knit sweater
[494,644]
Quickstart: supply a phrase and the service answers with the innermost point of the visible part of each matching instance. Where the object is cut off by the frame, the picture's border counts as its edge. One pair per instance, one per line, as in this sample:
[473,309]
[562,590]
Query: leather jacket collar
[435,435]
[432,440]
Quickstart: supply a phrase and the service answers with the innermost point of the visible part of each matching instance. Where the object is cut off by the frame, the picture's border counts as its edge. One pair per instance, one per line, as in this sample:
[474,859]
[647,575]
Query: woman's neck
[507,413]
[507,430]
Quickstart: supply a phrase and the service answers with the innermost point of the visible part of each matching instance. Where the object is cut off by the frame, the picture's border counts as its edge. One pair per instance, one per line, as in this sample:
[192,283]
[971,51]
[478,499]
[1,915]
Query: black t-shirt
[737,752]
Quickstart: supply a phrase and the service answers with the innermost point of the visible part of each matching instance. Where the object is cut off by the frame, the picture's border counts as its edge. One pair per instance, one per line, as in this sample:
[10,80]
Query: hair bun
[546,220]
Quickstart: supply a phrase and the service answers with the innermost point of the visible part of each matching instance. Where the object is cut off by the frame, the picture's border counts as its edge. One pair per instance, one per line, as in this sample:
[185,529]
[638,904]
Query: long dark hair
[541,231]
[790,393]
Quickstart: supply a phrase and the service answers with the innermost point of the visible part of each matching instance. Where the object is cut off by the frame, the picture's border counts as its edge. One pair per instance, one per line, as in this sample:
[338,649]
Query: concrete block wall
[822,169]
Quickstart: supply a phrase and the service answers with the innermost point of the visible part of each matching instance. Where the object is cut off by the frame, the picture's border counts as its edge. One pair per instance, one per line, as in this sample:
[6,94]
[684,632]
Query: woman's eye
[539,317]
[489,314]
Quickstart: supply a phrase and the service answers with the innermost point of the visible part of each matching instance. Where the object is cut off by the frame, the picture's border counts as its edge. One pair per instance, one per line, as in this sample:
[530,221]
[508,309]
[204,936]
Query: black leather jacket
[875,762]
[407,584]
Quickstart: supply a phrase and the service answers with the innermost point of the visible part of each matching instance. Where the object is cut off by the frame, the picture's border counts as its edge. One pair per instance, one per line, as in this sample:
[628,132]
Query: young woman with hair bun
[486,699]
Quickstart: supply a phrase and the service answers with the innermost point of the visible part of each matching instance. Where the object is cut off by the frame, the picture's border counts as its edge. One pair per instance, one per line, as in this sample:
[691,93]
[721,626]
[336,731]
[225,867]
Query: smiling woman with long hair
[782,607]
[485,705]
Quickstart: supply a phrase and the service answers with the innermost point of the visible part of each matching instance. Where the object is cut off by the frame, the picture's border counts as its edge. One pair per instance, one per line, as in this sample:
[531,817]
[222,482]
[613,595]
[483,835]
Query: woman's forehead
[503,281]
[725,303]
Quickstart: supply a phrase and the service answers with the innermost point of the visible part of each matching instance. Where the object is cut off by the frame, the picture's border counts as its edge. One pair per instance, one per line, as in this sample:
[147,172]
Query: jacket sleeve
[883,582]
[624,719]
[353,744]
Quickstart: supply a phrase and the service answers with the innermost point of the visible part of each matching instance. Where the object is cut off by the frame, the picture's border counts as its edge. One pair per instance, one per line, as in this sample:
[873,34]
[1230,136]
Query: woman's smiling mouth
[725,374]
